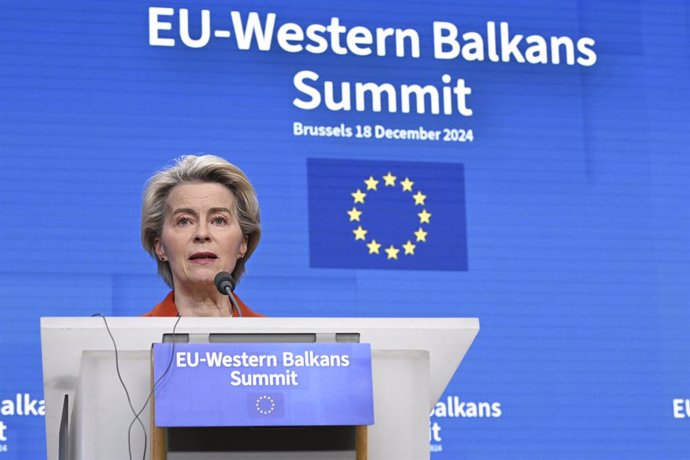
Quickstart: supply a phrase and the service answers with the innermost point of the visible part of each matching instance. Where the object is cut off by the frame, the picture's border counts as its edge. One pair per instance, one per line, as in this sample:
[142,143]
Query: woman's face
[201,236]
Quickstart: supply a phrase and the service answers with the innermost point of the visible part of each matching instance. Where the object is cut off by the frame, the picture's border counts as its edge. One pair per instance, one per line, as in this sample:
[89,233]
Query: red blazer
[168,308]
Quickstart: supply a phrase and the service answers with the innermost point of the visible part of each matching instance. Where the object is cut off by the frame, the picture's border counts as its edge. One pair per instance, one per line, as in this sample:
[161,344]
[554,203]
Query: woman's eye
[219,220]
[183,221]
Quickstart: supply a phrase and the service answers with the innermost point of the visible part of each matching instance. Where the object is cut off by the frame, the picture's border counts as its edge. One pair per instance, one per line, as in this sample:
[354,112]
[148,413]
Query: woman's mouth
[203,258]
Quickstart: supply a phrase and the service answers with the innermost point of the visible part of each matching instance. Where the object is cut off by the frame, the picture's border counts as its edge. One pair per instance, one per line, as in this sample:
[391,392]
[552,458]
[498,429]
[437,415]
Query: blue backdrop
[559,209]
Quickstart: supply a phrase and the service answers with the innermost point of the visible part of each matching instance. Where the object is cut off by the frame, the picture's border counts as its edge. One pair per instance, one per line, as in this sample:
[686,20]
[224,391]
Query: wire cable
[124,387]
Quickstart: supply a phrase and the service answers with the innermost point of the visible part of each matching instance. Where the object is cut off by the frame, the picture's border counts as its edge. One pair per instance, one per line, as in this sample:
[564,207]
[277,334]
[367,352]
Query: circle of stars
[265,405]
[361,234]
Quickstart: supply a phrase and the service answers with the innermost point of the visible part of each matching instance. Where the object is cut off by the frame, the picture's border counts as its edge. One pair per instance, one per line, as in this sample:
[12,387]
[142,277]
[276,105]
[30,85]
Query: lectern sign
[257,384]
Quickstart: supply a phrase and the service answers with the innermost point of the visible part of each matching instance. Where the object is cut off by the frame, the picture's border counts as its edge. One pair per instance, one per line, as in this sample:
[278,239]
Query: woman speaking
[200,217]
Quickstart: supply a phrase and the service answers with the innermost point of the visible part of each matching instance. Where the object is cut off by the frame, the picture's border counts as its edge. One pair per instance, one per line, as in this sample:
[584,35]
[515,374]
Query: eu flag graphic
[387,215]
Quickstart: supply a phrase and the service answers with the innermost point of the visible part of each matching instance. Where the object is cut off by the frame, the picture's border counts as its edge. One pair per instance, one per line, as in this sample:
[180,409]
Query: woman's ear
[160,251]
[243,249]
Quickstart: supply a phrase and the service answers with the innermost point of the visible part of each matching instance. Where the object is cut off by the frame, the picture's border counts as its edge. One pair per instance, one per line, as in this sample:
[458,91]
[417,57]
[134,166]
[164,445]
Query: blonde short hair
[199,169]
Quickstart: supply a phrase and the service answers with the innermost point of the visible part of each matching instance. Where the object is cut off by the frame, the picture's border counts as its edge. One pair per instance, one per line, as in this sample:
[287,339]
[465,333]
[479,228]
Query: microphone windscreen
[224,282]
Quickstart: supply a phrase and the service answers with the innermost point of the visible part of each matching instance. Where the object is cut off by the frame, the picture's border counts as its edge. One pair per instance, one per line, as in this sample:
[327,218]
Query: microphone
[226,285]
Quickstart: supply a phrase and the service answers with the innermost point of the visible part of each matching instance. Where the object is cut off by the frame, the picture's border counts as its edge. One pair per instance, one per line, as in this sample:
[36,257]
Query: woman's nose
[202,233]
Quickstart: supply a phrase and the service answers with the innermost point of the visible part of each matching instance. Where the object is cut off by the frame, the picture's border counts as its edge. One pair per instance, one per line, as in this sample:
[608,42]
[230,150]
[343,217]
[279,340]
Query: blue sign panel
[263,384]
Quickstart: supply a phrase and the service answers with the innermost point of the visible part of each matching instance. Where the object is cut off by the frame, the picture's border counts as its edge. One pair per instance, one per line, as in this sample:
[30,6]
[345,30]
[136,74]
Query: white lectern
[413,359]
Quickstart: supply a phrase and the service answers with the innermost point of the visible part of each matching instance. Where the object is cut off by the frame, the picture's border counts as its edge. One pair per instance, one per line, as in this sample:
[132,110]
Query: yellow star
[354,214]
[392,252]
[358,196]
[421,234]
[371,183]
[424,217]
[419,198]
[409,247]
[389,179]
[360,233]
[373,247]
[407,185]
